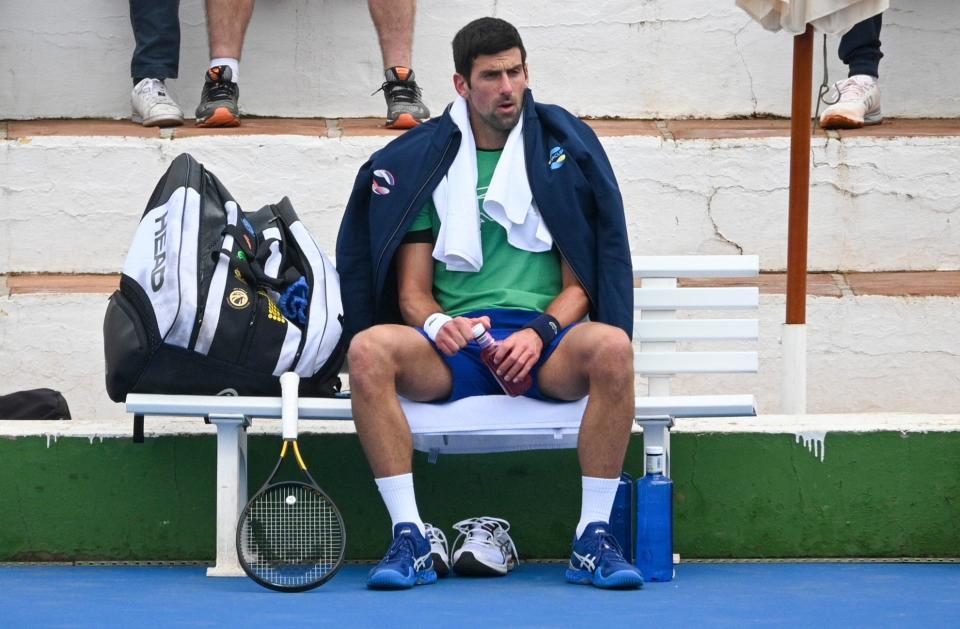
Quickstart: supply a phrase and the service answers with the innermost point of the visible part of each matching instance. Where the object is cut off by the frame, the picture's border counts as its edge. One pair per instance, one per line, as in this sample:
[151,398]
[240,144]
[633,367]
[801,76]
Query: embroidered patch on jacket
[387,179]
[557,157]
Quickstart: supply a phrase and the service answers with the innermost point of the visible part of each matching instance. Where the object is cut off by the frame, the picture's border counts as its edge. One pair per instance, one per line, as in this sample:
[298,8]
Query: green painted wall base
[736,495]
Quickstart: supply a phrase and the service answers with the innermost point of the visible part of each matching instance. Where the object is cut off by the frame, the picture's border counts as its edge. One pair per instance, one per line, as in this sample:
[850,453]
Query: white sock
[598,496]
[397,494]
[228,61]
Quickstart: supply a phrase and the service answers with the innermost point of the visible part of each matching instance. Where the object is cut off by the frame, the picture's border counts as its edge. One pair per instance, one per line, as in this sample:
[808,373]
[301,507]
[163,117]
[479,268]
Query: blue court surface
[535,595]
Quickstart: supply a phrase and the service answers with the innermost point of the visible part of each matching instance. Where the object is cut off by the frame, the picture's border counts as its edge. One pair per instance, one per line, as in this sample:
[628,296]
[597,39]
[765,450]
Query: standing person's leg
[227,22]
[597,360]
[156,57]
[860,47]
[386,360]
[394,21]
[859,94]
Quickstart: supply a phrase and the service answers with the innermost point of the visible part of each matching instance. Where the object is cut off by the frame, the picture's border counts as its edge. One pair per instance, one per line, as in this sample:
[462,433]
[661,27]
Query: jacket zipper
[403,218]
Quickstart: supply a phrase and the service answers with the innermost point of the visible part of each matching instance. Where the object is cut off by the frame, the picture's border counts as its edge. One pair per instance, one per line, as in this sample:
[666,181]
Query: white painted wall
[866,354]
[628,58]
[72,204]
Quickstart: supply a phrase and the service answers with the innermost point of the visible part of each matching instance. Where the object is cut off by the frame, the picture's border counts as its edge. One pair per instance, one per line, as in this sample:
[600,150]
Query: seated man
[506,213]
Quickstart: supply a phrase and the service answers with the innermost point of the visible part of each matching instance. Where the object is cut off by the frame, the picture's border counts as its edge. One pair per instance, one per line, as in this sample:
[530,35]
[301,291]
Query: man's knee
[611,354]
[370,357]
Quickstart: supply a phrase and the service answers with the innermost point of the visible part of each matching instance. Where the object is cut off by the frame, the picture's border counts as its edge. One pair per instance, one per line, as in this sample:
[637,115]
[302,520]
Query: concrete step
[670,58]
[877,342]
[885,198]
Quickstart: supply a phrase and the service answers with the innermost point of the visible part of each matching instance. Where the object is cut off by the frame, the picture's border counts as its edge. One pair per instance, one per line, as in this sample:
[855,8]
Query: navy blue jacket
[571,180]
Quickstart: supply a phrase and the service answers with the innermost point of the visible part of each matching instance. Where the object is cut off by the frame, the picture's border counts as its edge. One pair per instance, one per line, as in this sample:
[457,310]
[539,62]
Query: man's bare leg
[227,22]
[394,20]
[386,360]
[596,359]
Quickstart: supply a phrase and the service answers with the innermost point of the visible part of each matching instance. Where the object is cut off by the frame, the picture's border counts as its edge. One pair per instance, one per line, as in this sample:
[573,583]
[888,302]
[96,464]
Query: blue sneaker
[597,560]
[407,562]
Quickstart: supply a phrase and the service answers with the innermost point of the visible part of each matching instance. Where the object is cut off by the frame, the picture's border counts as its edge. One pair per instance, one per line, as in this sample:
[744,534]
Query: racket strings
[291,536]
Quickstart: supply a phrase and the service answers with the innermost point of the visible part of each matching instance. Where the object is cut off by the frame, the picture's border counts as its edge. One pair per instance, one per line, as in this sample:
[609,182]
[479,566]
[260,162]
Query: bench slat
[696,329]
[722,297]
[665,363]
[696,266]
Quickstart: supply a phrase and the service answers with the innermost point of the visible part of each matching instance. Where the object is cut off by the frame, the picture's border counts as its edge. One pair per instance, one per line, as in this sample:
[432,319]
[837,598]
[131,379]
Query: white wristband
[433,324]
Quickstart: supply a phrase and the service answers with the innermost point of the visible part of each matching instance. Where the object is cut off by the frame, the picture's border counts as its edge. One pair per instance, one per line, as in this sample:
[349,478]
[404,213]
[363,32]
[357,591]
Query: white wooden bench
[530,424]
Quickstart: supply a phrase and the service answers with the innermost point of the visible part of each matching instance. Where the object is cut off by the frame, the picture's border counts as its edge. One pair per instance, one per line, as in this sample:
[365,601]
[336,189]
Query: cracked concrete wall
[72,204]
[865,354]
[664,58]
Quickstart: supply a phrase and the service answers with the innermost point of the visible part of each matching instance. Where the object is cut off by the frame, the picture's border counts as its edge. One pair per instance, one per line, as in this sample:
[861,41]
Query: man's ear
[460,84]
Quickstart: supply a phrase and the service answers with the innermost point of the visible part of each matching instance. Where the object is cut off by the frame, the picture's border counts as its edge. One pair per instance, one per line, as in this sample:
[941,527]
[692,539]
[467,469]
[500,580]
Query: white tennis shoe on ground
[485,548]
[438,549]
[859,104]
[153,106]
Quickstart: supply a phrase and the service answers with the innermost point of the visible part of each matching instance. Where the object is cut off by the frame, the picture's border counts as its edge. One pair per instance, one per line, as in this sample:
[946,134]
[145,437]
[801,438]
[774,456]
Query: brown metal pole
[799,177]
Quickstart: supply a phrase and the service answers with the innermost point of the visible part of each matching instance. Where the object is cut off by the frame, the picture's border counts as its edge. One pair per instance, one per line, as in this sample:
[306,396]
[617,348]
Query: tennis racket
[290,536]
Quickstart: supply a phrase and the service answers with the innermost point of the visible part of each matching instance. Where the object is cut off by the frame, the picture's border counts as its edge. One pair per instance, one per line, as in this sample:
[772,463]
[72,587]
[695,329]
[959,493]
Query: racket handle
[289,404]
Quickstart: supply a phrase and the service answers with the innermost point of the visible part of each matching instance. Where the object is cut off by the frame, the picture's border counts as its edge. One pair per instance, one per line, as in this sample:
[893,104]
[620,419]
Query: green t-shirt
[509,277]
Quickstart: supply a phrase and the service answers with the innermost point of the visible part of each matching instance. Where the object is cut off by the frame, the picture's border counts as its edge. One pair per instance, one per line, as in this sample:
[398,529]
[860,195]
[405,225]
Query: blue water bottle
[621,516]
[655,520]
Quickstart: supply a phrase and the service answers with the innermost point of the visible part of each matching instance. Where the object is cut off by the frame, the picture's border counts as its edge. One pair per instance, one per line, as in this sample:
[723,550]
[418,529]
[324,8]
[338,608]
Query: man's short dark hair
[485,36]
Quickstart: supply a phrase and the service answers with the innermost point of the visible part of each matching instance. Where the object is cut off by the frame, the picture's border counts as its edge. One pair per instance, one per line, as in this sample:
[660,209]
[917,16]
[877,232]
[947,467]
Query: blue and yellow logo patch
[557,158]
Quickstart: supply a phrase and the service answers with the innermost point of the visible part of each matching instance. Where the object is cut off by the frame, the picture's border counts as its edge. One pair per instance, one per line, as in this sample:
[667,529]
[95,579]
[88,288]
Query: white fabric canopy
[834,17]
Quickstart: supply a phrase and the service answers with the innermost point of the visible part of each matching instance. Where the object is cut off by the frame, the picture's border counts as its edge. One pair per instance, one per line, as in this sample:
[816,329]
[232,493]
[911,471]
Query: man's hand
[517,354]
[456,333]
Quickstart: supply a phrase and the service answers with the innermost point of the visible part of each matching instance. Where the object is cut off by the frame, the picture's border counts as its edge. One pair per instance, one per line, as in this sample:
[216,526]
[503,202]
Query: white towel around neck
[508,200]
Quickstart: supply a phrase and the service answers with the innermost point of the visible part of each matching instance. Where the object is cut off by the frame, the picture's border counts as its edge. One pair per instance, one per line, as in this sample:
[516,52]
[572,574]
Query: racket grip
[289,404]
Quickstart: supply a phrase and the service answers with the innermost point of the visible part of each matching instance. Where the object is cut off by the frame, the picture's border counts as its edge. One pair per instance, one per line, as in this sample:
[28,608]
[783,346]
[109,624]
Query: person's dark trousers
[156,29]
[860,47]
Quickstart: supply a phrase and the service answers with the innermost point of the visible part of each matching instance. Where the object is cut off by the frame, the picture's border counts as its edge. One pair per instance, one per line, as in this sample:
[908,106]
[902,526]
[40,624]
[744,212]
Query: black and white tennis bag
[216,301]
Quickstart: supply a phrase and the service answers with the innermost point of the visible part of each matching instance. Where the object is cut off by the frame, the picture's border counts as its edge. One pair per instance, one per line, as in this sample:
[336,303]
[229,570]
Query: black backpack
[215,301]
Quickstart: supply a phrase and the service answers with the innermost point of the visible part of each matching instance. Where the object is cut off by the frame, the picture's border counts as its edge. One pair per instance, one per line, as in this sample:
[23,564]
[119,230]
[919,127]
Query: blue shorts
[471,377]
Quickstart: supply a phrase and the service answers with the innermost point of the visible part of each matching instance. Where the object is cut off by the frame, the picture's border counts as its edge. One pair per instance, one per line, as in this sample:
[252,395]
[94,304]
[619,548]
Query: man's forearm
[570,306]
[416,308]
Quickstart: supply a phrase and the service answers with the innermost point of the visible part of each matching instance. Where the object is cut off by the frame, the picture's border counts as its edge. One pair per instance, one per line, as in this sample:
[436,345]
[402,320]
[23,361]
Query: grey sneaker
[485,548]
[218,103]
[152,105]
[405,110]
[858,105]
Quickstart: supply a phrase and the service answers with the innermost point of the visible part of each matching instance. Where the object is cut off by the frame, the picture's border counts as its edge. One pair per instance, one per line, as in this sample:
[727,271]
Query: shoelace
[402,91]
[402,546]
[605,544]
[483,531]
[217,90]
[433,533]
[851,89]
[154,91]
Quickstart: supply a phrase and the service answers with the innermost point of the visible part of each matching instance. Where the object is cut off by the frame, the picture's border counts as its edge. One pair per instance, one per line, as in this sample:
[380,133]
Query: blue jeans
[860,47]
[156,29]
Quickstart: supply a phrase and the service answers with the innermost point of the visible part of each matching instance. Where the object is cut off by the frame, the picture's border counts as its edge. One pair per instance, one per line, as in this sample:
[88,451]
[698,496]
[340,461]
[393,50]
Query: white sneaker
[486,549]
[859,104]
[438,549]
[152,106]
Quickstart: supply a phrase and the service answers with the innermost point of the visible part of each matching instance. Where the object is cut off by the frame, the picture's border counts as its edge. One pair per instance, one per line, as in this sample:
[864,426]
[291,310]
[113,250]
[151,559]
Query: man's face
[495,91]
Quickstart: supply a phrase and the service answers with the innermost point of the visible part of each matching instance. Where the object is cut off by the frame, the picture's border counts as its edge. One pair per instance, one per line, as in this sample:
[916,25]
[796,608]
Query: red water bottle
[488,347]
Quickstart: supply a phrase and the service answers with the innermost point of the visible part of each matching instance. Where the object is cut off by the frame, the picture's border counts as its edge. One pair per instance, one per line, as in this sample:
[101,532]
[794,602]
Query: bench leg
[231,490]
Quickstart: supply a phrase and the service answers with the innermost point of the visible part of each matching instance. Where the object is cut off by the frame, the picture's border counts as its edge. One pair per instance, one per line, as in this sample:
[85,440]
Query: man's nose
[506,88]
